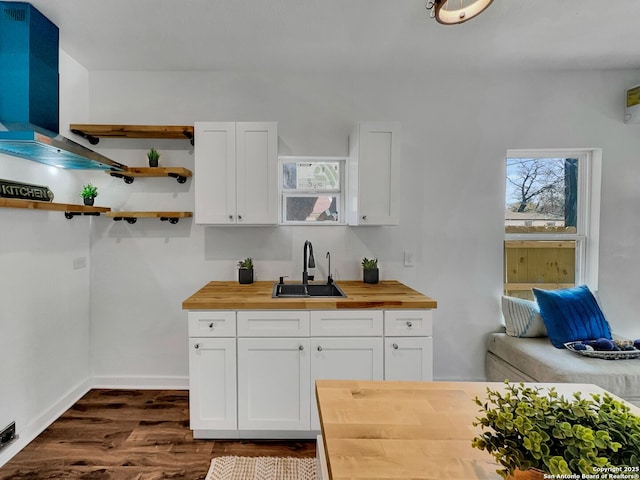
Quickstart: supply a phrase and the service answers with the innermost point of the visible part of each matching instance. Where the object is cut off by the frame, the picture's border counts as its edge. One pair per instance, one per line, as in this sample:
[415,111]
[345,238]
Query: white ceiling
[339,35]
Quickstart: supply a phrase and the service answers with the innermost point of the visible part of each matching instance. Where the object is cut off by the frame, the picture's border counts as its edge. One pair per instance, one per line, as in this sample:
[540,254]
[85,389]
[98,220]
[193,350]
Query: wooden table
[406,430]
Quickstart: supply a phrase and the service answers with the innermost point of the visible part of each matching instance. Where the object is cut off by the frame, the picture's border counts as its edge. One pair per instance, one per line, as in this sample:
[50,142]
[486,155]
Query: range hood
[29,93]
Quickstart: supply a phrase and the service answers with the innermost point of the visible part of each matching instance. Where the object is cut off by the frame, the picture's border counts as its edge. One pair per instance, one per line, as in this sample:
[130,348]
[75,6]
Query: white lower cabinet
[408,358]
[408,345]
[273,384]
[212,383]
[345,358]
[272,359]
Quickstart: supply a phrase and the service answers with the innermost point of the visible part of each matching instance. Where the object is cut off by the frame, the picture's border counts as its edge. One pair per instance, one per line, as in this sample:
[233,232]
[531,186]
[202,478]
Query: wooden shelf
[93,132]
[179,173]
[70,210]
[131,217]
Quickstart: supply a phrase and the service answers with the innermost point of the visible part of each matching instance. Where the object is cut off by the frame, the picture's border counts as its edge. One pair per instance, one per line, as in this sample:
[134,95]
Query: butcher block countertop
[389,294]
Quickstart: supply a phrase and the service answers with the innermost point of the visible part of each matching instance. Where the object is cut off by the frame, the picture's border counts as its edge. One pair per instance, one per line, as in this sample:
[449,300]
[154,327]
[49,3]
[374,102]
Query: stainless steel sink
[298,290]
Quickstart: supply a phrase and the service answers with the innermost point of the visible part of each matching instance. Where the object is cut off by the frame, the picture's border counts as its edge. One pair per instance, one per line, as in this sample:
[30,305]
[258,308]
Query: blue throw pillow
[571,314]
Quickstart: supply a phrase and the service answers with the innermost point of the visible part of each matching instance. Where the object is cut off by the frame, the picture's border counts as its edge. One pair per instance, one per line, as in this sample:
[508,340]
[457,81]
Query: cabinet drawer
[212,323]
[273,323]
[348,323]
[408,323]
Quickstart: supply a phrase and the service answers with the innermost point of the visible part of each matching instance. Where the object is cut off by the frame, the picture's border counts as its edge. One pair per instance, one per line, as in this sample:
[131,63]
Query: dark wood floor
[131,434]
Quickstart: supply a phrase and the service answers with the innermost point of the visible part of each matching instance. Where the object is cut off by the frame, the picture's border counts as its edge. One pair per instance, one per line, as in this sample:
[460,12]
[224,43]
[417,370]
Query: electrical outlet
[8,434]
[409,258]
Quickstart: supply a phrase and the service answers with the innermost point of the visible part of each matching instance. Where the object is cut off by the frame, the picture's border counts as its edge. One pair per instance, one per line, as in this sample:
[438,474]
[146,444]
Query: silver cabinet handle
[211,325]
[364,217]
[395,346]
[319,348]
[301,347]
[230,217]
[240,217]
[409,324]
[196,346]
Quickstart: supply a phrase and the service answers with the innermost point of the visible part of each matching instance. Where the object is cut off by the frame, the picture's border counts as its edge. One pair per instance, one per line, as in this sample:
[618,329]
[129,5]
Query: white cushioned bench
[537,360]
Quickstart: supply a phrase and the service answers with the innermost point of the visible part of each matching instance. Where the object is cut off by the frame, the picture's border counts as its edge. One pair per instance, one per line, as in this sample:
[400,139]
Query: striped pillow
[522,318]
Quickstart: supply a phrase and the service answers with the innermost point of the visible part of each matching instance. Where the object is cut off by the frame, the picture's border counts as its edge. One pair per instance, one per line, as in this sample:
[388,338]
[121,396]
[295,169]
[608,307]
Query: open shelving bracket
[93,140]
[190,137]
[127,179]
[70,215]
[130,220]
[179,178]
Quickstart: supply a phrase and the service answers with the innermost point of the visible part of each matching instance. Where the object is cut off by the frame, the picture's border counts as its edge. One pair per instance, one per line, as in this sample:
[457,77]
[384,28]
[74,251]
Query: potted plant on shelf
[370,273]
[153,157]
[533,433]
[245,271]
[89,193]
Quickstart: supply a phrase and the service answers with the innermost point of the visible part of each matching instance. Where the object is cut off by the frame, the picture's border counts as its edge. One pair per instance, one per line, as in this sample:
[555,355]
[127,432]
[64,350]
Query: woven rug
[262,468]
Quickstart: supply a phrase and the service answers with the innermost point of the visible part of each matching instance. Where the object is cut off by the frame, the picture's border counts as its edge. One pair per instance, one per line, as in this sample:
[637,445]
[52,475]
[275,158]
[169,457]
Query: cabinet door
[374,170]
[273,384]
[408,358]
[257,172]
[334,358]
[215,172]
[212,389]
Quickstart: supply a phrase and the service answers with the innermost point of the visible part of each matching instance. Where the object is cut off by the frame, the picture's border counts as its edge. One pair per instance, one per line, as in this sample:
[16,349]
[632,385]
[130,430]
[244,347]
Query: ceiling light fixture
[452,12]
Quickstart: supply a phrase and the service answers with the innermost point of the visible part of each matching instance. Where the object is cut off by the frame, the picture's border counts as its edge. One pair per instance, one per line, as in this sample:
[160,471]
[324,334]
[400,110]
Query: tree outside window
[541,195]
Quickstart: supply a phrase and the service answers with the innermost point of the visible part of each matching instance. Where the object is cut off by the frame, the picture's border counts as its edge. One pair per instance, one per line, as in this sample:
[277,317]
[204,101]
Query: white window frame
[340,193]
[588,209]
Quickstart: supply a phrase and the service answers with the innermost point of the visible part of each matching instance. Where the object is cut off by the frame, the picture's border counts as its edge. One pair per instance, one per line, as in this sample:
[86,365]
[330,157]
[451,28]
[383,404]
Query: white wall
[44,298]
[456,130]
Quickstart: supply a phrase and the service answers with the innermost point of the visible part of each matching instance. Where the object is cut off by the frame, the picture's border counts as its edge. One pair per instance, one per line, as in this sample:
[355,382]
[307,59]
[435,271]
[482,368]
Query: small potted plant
[370,273]
[539,434]
[89,193]
[245,271]
[153,157]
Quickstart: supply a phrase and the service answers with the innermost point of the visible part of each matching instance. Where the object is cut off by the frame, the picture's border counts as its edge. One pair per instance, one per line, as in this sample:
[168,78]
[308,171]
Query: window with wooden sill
[552,204]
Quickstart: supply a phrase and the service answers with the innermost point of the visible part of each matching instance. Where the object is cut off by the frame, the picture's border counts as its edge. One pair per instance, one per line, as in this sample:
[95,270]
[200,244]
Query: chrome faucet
[311,263]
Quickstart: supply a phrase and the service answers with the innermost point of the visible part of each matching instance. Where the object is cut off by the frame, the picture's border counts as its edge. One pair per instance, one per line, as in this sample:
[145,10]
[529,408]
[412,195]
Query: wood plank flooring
[131,435]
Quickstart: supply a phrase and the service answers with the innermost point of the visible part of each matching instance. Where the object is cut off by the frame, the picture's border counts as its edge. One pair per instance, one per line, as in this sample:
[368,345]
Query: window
[312,190]
[551,219]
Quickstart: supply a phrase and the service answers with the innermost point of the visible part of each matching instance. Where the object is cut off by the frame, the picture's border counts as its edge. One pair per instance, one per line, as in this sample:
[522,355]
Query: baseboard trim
[140,383]
[30,432]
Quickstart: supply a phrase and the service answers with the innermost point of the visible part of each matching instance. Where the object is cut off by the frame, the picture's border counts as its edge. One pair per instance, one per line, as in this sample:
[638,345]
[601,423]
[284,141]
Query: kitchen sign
[25,191]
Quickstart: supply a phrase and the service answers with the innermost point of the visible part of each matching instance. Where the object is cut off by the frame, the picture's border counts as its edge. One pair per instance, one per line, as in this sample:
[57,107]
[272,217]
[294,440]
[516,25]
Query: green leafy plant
[530,428]
[369,263]
[153,155]
[246,264]
[89,191]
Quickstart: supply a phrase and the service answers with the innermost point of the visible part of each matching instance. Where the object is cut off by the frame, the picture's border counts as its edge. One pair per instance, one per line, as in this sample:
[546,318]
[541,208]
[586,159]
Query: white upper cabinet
[236,179]
[374,169]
